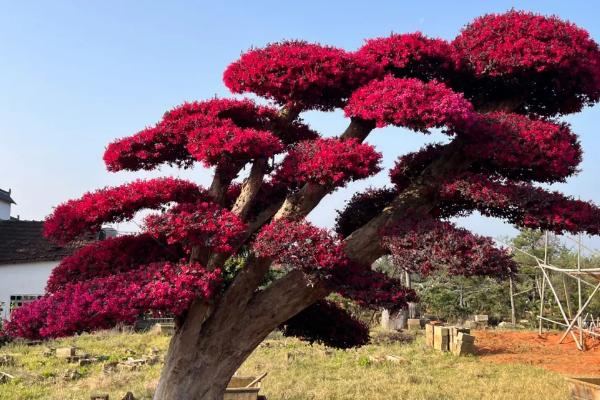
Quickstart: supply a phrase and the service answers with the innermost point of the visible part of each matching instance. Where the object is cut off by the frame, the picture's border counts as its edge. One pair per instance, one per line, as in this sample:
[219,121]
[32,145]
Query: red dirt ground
[527,347]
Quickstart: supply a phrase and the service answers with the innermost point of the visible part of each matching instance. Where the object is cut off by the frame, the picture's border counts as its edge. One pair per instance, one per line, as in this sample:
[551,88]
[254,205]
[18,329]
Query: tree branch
[418,200]
[250,188]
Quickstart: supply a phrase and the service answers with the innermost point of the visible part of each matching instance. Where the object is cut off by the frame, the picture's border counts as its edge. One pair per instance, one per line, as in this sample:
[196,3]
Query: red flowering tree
[497,91]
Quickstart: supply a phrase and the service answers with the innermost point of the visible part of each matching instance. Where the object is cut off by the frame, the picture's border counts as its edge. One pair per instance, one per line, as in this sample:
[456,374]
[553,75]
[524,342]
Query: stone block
[454,331]
[465,337]
[429,335]
[441,338]
[464,348]
[414,324]
[65,352]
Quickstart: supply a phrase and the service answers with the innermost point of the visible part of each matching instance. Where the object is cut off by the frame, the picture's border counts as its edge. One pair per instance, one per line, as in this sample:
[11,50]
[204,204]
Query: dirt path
[527,347]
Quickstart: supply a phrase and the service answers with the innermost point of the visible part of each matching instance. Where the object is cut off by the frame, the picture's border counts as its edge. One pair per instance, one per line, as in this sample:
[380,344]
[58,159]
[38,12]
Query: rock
[395,359]
[65,352]
[49,352]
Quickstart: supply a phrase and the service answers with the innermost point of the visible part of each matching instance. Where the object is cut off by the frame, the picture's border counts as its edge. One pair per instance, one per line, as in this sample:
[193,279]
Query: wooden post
[513,317]
[567,296]
[542,297]
[580,311]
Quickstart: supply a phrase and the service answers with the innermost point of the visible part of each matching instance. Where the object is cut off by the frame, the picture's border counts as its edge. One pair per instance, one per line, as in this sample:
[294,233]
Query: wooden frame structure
[575,325]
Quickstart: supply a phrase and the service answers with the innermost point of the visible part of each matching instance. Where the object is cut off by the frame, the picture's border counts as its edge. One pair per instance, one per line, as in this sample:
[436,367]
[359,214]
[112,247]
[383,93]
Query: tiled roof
[5,196]
[23,241]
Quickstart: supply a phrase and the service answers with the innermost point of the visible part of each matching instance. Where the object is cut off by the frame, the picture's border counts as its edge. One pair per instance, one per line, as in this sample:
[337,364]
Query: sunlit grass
[297,371]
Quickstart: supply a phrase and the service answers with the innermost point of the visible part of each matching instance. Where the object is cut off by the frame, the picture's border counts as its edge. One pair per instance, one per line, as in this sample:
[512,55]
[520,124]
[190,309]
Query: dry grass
[297,371]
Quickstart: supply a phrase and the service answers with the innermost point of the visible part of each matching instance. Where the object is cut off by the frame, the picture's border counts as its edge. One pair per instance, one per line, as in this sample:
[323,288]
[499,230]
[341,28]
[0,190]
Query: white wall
[4,210]
[23,279]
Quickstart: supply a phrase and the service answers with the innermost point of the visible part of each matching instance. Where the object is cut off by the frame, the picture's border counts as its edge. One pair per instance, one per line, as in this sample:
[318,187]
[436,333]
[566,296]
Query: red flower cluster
[426,246]
[370,288]
[361,208]
[101,303]
[521,204]
[110,256]
[410,55]
[207,131]
[553,65]
[119,203]
[522,148]
[329,162]
[203,224]
[215,143]
[299,75]
[324,322]
[300,245]
[410,103]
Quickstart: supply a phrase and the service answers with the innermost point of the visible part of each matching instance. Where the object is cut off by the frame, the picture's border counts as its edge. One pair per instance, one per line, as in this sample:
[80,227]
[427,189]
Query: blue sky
[76,75]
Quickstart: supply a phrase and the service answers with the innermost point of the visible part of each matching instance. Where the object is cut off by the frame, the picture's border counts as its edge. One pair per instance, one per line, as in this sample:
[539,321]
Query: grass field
[297,371]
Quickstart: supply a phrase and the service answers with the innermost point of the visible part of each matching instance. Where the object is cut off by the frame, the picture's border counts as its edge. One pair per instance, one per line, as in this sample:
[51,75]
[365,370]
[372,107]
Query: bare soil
[527,347]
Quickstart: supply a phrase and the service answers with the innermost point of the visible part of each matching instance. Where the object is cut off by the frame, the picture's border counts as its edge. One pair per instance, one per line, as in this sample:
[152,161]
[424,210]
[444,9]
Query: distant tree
[496,91]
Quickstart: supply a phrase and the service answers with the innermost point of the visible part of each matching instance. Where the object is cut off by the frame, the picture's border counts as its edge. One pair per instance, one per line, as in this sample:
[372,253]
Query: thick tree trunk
[215,340]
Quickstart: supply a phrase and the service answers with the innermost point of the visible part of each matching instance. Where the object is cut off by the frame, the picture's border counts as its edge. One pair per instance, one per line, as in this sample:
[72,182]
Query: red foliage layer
[203,224]
[410,103]
[409,166]
[110,256]
[521,204]
[299,75]
[526,149]
[300,245]
[102,302]
[426,246]
[551,66]
[410,55]
[329,162]
[209,131]
[119,203]
[361,208]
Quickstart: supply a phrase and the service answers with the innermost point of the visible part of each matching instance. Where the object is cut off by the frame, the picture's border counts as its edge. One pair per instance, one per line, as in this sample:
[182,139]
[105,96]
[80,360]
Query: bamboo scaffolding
[571,324]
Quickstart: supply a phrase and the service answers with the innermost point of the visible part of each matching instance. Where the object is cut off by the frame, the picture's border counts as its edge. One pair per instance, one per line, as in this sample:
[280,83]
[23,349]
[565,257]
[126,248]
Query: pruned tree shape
[496,90]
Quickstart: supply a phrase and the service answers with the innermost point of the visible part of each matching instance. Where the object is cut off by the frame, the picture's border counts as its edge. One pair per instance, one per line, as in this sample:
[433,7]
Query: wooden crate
[237,390]
[582,388]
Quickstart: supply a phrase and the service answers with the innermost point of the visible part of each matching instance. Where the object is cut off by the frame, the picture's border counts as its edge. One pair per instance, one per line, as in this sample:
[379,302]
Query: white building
[26,258]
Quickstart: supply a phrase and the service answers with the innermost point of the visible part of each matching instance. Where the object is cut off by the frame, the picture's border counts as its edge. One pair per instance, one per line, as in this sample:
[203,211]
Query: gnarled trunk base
[214,341]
